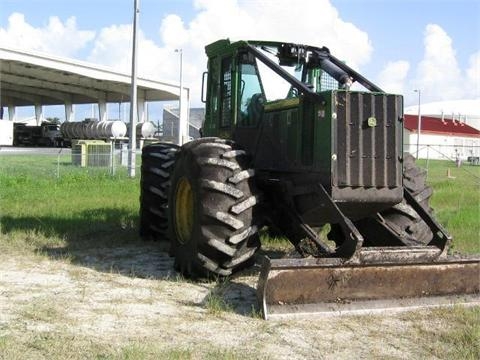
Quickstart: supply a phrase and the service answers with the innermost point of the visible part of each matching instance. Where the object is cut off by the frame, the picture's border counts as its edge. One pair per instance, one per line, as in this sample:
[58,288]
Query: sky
[401,45]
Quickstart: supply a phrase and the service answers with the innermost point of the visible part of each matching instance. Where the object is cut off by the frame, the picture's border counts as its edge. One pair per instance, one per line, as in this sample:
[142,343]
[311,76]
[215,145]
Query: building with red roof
[441,138]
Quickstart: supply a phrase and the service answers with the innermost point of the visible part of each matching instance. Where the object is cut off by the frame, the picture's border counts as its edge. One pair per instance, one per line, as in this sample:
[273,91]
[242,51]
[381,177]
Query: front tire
[212,209]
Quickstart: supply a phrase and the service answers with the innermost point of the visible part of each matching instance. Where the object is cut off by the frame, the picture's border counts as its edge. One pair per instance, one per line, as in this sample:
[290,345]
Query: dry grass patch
[43,310]
[448,333]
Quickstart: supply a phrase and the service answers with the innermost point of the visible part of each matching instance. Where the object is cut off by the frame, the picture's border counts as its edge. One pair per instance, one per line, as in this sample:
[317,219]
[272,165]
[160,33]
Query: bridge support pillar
[38,113]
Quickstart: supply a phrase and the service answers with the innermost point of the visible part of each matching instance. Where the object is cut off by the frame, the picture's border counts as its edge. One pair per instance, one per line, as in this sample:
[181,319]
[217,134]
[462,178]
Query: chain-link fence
[450,154]
[97,157]
[455,152]
[89,158]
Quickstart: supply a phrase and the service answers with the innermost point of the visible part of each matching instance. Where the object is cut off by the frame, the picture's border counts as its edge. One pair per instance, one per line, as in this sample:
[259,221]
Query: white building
[446,138]
[466,111]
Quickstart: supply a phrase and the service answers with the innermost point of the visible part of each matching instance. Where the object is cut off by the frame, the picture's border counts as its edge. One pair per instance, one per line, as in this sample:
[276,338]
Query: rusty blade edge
[374,257]
[371,307]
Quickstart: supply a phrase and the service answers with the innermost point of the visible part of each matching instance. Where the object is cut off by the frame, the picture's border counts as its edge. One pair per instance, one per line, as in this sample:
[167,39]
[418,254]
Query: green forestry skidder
[288,144]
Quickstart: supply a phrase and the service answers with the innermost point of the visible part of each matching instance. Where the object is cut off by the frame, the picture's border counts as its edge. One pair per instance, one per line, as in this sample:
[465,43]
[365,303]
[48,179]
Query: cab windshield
[260,84]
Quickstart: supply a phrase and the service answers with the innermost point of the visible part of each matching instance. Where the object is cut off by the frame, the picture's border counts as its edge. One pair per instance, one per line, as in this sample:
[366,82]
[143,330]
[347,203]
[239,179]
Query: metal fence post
[112,159]
[428,159]
[58,163]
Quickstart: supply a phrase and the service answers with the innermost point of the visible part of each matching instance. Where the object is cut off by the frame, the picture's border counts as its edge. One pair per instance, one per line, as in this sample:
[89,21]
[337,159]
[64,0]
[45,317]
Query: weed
[42,310]
[215,302]
[455,334]
[463,338]
[255,312]
[223,354]
[178,354]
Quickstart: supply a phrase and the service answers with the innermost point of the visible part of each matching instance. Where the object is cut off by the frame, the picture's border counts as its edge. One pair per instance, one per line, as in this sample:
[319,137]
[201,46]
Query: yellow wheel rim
[183,211]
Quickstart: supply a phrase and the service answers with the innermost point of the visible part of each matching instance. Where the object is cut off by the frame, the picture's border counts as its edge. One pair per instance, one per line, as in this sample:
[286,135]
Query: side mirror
[204,90]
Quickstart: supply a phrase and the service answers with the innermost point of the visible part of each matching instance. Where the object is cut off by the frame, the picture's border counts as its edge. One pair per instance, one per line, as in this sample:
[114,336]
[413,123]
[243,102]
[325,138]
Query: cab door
[250,102]
[218,113]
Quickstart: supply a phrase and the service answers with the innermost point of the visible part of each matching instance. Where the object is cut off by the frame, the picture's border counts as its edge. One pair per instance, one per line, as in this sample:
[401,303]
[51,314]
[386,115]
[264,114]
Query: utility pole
[133,96]
[181,122]
[419,127]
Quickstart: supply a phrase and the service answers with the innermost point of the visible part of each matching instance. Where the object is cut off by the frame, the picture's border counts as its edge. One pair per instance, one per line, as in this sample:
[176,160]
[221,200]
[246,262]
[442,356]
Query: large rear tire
[157,165]
[401,224]
[212,209]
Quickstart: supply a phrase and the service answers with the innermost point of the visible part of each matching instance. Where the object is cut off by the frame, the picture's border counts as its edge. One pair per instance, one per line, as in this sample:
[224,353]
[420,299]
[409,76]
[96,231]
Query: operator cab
[240,86]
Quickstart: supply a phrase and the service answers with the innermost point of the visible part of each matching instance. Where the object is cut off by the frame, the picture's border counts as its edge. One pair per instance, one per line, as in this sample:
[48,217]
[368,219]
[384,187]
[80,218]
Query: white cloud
[218,19]
[173,32]
[392,78]
[473,75]
[316,22]
[56,37]
[438,74]
[113,47]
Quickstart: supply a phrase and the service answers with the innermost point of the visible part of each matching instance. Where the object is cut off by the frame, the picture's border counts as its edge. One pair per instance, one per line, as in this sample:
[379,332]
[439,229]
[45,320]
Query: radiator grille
[368,140]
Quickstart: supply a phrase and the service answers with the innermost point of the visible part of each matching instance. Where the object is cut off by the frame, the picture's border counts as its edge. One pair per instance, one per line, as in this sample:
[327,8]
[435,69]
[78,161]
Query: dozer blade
[378,280]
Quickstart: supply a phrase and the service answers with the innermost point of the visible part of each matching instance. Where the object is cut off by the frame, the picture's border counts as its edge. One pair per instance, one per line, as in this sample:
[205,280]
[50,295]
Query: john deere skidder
[289,145]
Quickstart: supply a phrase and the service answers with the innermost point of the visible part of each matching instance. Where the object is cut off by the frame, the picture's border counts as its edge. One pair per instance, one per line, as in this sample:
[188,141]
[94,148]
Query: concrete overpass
[35,79]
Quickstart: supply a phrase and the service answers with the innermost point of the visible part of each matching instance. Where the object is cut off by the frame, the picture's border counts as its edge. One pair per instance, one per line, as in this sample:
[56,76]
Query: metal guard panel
[367,148]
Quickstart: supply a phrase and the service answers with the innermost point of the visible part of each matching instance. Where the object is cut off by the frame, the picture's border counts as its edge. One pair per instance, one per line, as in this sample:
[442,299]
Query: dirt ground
[132,295]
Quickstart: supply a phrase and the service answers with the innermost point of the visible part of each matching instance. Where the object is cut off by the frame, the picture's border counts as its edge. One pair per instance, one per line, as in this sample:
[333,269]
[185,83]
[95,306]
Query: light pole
[419,127]
[181,124]
[133,95]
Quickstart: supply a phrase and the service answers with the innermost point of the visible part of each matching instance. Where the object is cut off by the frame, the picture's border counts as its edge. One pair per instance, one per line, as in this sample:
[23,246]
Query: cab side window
[226,93]
[251,96]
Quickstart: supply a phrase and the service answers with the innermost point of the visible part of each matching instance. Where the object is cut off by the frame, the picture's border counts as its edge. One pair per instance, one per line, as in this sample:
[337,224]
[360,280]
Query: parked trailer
[93,129]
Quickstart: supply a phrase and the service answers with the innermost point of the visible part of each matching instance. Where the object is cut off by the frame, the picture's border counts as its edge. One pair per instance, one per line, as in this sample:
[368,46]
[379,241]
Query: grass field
[72,284]
[47,202]
[456,201]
